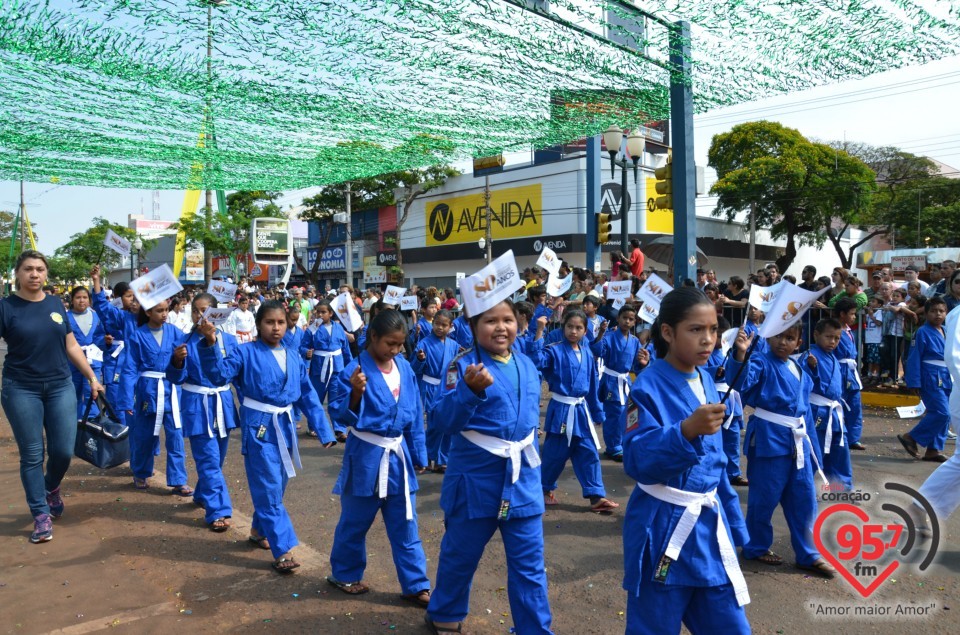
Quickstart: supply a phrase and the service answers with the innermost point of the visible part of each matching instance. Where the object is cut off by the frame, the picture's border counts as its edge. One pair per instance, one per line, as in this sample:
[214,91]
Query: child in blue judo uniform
[271,378]
[118,323]
[156,402]
[845,311]
[424,325]
[208,415]
[377,398]
[621,353]
[780,453]
[733,424]
[826,409]
[326,345]
[88,329]
[433,356]
[927,373]
[525,334]
[490,406]
[292,340]
[461,332]
[571,373]
[683,519]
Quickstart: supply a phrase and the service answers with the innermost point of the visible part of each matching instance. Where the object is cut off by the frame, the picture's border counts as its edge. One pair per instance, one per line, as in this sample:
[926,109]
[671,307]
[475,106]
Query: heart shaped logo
[860,546]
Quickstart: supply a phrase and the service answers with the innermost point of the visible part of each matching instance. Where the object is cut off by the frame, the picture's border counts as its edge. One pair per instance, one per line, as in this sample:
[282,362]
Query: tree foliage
[804,192]
[73,260]
[7,220]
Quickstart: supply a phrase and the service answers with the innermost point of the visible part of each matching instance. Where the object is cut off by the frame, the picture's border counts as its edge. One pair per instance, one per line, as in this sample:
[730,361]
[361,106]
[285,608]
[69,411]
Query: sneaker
[55,502]
[42,529]
[951,437]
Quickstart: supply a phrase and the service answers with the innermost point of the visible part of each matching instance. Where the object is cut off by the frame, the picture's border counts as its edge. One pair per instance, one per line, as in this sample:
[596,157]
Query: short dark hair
[674,309]
[827,323]
[843,305]
[934,301]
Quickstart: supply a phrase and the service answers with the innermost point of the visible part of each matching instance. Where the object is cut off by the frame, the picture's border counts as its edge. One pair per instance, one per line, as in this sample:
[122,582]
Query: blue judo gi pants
[144,446]
[660,608]
[438,444]
[267,480]
[348,556]
[777,481]
[581,453]
[613,426]
[853,415]
[731,446]
[322,387]
[211,492]
[460,553]
[931,431]
[836,463]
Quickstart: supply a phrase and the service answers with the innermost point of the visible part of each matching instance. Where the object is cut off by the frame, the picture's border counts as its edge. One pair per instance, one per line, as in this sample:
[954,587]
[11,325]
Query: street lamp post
[632,156]
[135,253]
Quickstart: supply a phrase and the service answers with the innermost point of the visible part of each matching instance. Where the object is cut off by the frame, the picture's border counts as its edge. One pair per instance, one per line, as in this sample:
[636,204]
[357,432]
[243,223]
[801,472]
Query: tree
[7,220]
[804,192]
[73,260]
[229,233]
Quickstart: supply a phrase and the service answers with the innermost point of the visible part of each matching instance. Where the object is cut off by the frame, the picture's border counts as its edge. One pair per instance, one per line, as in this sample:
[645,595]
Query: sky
[914,109]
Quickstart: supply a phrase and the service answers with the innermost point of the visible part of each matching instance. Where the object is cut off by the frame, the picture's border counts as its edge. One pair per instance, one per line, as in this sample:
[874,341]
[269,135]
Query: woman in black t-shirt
[38,396]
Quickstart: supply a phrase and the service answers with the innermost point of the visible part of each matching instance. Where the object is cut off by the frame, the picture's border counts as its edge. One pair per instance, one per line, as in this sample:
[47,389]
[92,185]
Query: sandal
[436,630]
[181,490]
[604,506]
[550,500]
[820,567]
[739,481]
[259,541]
[350,588]
[909,445]
[285,565]
[220,525]
[440,469]
[140,483]
[769,558]
[420,598]
[340,437]
[936,458]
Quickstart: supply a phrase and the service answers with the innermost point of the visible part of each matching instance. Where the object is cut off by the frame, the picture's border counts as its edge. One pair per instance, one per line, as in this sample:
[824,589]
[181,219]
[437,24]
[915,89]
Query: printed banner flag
[763,297]
[648,312]
[549,261]
[653,290]
[222,291]
[117,243]
[217,316]
[393,295]
[491,285]
[618,303]
[556,287]
[619,289]
[788,307]
[155,287]
[728,339]
[911,412]
[409,303]
[347,312]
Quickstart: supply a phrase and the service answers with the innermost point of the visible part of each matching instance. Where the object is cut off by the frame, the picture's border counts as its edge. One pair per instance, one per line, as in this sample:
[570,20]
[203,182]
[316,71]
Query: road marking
[117,619]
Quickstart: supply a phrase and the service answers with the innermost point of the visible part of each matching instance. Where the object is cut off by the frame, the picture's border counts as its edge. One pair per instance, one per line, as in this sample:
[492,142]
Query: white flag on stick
[763,297]
[409,303]
[491,285]
[222,291]
[393,295]
[347,312]
[787,309]
[557,286]
[653,290]
[619,289]
[549,261]
[217,316]
[155,287]
[648,312]
[117,243]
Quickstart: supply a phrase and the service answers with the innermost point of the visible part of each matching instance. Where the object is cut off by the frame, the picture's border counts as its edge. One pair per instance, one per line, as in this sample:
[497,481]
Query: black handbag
[103,442]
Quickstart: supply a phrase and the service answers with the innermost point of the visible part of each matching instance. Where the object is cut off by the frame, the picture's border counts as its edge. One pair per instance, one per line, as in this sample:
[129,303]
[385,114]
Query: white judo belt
[623,384]
[511,450]
[221,425]
[390,445]
[161,399]
[574,403]
[852,363]
[118,348]
[733,402]
[326,370]
[836,410]
[276,411]
[799,428]
[433,381]
[936,362]
[693,503]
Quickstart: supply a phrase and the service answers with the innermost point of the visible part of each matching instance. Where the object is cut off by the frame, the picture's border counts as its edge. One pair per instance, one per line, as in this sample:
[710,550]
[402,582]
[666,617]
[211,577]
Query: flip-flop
[550,500]
[604,506]
[284,566]
[181,490]
[821,568]
[936,458]
[259,541]
[220,525]
[350,588]
[436,630]
[140,483]
[909,446]
[769,558]
[420,598]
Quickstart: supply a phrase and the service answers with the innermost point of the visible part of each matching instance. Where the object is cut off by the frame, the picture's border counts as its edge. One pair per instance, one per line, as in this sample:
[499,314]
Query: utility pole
[684,168]
[207,145]
[348,246]
[488,237]
[23,217]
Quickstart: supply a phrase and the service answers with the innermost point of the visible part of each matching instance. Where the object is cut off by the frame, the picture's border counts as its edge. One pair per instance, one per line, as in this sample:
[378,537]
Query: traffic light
[603,228]
[665,185]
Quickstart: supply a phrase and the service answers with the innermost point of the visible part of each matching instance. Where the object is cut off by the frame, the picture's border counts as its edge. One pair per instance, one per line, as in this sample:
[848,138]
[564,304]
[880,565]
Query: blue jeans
[35,407]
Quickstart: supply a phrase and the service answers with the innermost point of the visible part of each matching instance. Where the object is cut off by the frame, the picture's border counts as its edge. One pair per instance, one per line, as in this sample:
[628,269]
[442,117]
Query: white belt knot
[118,348]
[276,411]
[390,445]
[326,370]
[206,391]
[510,450]
[574,403]
[623,384]
[161,399]
[852,364]
[693,503]
[799,428]
[835,407]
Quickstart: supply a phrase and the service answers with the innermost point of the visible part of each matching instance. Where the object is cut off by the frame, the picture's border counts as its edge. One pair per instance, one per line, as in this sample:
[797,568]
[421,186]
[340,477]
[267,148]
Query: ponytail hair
[674,309]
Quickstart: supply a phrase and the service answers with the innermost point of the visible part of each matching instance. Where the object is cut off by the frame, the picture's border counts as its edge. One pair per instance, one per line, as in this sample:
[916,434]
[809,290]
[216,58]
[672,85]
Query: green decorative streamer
[116,92]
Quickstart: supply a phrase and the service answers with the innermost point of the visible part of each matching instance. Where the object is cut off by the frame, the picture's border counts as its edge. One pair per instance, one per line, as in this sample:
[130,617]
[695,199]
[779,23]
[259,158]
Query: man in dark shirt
[809,278]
